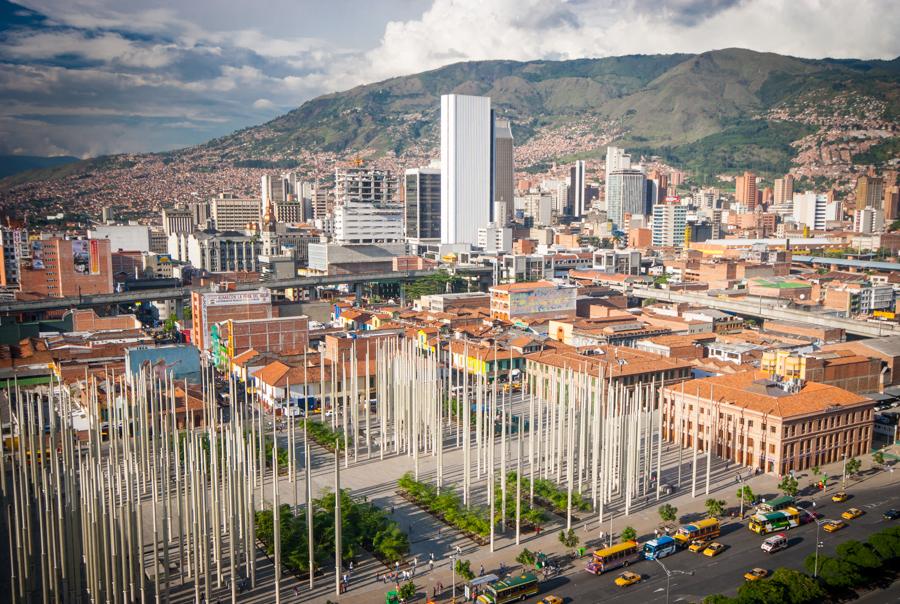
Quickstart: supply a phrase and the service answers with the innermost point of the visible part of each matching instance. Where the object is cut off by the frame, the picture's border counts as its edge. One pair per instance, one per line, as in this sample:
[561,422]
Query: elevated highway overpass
[768,309]
[182,293]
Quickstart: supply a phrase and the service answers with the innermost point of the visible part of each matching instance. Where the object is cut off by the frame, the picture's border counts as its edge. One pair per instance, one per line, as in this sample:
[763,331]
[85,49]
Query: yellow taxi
[840,497]
[755,574]
[550,600]
[852,513]
[831,526]
[698,545]
[627,578]
[714,549]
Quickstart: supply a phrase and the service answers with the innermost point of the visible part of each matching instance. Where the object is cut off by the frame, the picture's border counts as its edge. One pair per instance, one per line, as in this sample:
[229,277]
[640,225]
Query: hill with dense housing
[717,112]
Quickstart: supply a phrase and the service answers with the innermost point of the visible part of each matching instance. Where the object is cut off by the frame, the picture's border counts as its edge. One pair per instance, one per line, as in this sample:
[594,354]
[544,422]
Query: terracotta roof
[245,356]
[753,391]
[483,353]
[634,361]
[271,373]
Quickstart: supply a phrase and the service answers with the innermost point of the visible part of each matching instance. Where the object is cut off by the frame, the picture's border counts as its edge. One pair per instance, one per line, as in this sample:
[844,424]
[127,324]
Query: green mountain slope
[719,111]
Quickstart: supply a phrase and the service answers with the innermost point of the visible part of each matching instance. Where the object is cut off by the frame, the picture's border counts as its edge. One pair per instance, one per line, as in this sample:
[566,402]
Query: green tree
[799,588]
[853,465]
[859,555]
[169,324]
[568,538]
[761,592]
[747,494]
[816,470]
[187,313]
[885,545]
[408,590]
[717,599]
[526,557]
[789,485]
[464,570]
[878,458]
[629,534]
[715,507]
[668,513]
[836,573]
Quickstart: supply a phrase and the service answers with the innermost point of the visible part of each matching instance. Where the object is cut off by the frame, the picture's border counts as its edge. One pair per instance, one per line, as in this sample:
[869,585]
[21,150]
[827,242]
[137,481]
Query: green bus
[509,590]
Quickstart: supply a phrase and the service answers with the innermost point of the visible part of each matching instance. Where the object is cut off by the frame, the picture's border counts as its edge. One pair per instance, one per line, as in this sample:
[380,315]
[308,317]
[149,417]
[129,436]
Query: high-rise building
[13,245]
[177,220]
[200,213]
[616,159]
[869,192]
[232,213]
[669,223]
[422,217]
[108,214]
[814,210]
[290,211]
[57,267]
[466,167]
[783,190]
[745,190]
[504,189]
[576,194]
[363,222]
[891,203]
[361,183]
[625,194]
[868,220]
[273,189]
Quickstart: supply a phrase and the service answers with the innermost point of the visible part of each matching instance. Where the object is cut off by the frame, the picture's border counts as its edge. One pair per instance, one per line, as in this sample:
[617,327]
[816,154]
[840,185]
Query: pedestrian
[431,564]
[392,510]
[297,591]
[434,592]
[431,555]
[458,550]
[351,566]
[481,570]
[397,565]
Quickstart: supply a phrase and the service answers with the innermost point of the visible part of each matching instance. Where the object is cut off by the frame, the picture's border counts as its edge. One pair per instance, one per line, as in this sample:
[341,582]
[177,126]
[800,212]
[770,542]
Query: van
[775,543]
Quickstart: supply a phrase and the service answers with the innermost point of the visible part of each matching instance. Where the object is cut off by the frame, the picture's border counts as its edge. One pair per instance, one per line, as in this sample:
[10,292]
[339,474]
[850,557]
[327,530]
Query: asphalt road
[724,573]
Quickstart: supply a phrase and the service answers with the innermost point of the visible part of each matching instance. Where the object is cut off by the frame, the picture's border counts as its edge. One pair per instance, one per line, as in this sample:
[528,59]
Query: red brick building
[58,268]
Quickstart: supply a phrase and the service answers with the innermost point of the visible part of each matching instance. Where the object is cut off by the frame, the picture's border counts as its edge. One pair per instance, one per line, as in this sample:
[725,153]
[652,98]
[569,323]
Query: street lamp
[453,578]
[843,470]
[669,574]
[819,544]
[741,493]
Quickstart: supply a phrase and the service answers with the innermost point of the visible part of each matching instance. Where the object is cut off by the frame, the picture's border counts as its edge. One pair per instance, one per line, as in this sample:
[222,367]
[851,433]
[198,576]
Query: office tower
[57,267]
[232,213]
[363,222]
[466,167]
[767,196]
[290,211]
[784,189]
[504,188]
[625,194]
[422,217]
[575,202]
[868,220]
[177,220]
[869,192]
[891,205]
[200,213]
[616,159]
[651,195]
[14,246]
[669,223]
[813,210]
[365,184]
[745,190]
[108,214]
[273,189]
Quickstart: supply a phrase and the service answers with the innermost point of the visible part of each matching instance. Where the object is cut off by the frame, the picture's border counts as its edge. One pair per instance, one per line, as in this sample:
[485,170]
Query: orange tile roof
[746,390]
[635,361]
[271,373]
[245,356]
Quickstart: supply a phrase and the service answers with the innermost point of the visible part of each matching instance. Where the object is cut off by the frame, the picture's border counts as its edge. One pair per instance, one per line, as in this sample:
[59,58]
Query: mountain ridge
[756,107]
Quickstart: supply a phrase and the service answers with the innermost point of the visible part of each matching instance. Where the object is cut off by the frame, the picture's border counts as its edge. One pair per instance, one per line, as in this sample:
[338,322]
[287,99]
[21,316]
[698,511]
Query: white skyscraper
[576,189]
[616,159]
[466,167]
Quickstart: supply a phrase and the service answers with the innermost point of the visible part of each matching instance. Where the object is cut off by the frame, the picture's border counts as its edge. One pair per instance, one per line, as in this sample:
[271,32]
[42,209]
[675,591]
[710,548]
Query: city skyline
[86,79]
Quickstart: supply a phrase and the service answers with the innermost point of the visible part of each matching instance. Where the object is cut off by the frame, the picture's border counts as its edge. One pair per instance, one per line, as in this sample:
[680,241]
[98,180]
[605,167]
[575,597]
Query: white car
[775,543]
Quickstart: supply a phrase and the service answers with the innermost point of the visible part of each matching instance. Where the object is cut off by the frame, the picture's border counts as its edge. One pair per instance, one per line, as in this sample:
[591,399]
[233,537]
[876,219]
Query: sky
[94,77]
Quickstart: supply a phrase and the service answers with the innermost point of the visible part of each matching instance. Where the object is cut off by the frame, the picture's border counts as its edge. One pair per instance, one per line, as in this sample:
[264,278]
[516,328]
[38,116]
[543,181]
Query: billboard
[95,256]
[181,361]
[37,256]
[81,256]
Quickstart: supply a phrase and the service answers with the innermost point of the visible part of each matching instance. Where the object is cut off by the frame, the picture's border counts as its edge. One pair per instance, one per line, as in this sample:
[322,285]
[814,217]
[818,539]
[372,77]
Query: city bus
[783,520]
[621,554]
[659,548]
[509,590]
[777,504]
[708,528]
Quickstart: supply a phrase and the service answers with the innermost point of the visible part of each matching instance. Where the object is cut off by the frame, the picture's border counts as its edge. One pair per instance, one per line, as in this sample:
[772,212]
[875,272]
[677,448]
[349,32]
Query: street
[724,573]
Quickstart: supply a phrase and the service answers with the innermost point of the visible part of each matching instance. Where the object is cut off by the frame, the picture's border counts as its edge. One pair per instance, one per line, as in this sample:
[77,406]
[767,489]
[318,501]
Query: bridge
[182,293]
[769,309]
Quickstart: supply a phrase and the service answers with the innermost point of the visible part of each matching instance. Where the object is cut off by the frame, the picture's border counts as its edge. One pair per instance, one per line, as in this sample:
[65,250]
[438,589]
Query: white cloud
[263,104]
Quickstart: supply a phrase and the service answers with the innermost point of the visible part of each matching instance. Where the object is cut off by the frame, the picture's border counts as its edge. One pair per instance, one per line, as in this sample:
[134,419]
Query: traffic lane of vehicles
[724,573]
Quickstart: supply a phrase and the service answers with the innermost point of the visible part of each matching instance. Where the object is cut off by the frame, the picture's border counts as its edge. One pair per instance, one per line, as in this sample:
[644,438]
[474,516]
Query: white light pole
[819,544]
[669,574]
[843,469]
[452,578]
[741,493]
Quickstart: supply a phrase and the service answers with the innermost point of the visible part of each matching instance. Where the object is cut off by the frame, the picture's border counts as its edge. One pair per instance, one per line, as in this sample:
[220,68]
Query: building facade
[776,427]
[209,308]
[232,213]
[520,300]
[57,268]
[466,167]
[504,173]
[625,195]
[669,223]
[422,214]
[364,222]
